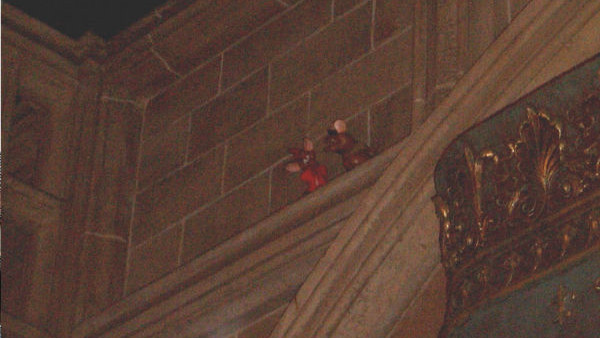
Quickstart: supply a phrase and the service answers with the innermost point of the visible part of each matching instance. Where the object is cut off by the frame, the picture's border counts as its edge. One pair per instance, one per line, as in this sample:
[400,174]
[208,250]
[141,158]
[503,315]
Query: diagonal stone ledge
[176,296]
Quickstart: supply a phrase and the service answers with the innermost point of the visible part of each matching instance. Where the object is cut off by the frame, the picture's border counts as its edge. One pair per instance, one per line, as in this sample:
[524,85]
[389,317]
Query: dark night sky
[73,17]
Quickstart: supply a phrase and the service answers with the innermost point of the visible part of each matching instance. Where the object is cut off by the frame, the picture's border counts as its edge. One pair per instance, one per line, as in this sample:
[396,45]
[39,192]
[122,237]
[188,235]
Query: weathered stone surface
[263,327]
[425,315]
[486,20]
[391,119]
[273,39]
[259,147]
[164,152]
[342,6]
[142,73]
[392,17]
[447,49]
[178,195]
[229,114]
[180,98]
[227,217]
[104,271]
[217,26]
[363,83]
[320,56]
[153,258]
[516,6]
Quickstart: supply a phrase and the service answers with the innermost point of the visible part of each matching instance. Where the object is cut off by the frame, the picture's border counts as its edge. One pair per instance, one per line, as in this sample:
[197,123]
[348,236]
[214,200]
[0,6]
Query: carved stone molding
[515,202]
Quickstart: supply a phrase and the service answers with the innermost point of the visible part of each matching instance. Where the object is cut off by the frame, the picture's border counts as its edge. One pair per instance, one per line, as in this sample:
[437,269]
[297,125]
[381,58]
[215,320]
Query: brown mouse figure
[338,141]
[305,160]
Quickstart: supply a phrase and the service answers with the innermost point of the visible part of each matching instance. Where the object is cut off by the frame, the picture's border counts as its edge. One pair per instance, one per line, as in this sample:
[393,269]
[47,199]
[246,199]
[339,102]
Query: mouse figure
[305,160]
[338,141]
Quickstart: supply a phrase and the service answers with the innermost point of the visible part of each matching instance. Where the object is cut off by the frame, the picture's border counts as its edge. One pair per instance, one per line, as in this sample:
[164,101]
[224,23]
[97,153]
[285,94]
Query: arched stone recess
[388,249]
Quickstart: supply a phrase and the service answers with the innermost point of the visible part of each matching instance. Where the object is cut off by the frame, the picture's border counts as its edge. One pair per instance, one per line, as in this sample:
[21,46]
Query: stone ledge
[315,218]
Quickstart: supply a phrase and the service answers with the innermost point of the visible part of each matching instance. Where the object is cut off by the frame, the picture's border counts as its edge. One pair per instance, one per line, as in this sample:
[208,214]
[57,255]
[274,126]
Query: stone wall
[216,132]
[219,115]
[196,116]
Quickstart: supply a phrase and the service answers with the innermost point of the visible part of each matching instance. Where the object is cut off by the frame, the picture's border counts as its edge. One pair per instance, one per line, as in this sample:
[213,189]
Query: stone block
[154,258]
[229,114]
[179,194]
[227,217]
[180,98]
[164,152]
[320,56]
[363,83]
[391,119]
[274,39]
[103,273]
[257,148]
[392,17]
[217,26]
[342,6]
[142,73]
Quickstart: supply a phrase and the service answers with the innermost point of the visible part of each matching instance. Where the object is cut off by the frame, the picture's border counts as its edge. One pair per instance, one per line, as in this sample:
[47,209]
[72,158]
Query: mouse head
[337,140]
[302,158]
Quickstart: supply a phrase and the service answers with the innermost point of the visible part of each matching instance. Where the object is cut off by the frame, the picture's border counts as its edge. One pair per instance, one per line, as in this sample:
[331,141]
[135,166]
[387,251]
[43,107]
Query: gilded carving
[564,304]
[506,210]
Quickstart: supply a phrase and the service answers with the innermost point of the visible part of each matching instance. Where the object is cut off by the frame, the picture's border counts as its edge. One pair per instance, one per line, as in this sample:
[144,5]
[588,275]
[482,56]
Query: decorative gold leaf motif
[504,209]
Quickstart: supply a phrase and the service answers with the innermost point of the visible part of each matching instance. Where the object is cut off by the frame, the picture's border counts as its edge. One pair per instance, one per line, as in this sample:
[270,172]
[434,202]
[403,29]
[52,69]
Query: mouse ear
[292,167]
[339,126]
[308,145]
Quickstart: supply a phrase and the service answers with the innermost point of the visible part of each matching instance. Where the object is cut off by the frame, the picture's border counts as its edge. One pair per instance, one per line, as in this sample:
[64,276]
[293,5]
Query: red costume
[315,176]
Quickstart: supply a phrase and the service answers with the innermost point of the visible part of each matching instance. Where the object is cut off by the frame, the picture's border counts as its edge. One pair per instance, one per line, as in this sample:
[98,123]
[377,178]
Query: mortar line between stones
[136,104]
[134,203]
[318,31]
[308,108]
[268,22]
[180,249]
[269,205]
[395,36]
[188,142]
[160,58]
[369,127]
[106,236]
[229,192]
[182,78]
[382,45]
[220,85]
[226,90]
[268,89]
[373,24]
[223,168]
[146,241]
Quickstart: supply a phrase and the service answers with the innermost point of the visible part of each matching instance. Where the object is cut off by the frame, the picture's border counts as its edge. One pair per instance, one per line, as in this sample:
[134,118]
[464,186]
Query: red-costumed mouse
[305,160]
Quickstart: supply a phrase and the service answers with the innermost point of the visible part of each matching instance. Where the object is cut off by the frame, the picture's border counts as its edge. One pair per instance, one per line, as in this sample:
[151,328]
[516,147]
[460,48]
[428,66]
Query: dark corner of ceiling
[104,18]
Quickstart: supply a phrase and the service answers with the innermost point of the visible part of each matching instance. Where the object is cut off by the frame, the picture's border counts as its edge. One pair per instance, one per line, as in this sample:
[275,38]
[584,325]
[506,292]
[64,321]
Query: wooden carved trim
[514,210]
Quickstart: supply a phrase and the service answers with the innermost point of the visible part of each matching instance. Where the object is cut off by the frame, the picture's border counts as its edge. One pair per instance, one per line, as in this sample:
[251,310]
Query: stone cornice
[337,297]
